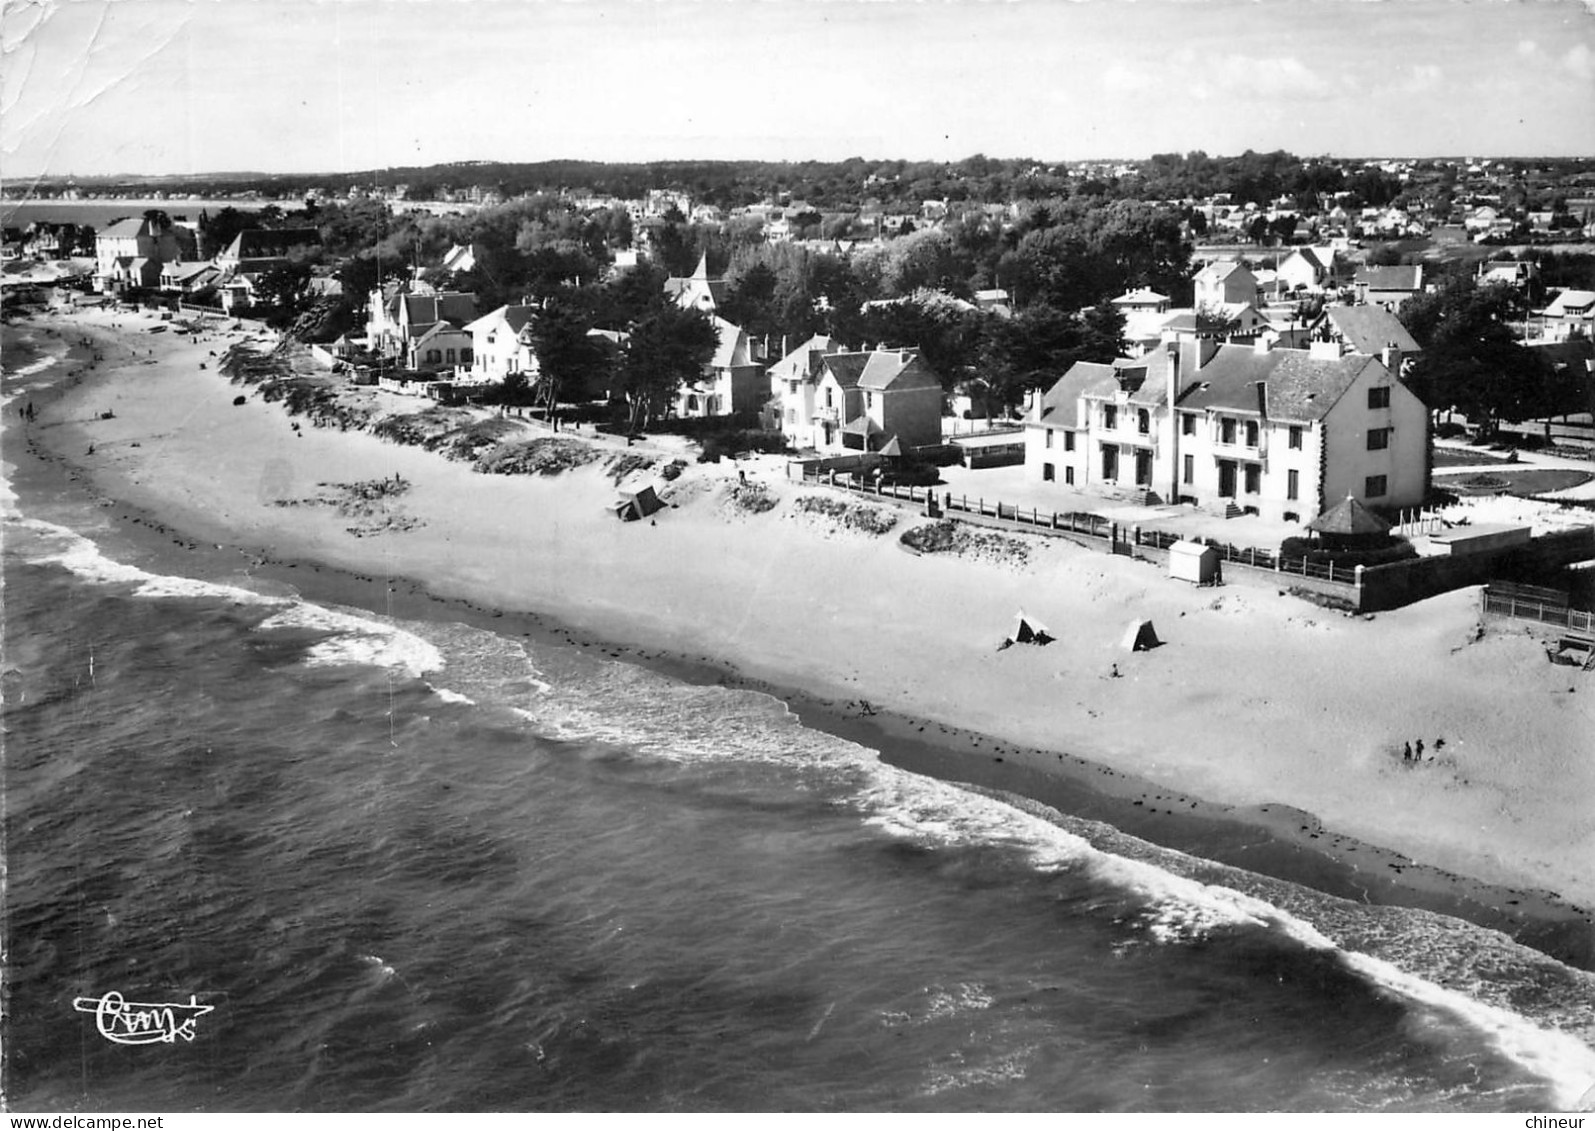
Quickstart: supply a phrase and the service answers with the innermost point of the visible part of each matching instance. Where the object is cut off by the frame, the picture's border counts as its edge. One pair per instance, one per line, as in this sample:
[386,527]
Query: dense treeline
[831,186]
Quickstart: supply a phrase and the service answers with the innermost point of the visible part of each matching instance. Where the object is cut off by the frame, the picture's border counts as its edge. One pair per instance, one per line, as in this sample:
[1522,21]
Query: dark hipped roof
[1299,386]
[846,368]
[1349,517]
[458,306]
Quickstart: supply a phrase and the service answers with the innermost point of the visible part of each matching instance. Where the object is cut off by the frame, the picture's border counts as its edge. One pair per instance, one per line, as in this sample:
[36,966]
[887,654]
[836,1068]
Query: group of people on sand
[1409,753]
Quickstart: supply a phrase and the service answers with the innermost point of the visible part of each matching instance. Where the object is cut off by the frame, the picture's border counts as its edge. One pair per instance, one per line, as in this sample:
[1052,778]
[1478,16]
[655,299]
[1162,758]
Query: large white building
[1280,433]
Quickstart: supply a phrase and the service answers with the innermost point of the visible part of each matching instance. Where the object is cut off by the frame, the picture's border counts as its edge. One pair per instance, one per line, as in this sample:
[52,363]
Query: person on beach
[1406,752]
[1420,750]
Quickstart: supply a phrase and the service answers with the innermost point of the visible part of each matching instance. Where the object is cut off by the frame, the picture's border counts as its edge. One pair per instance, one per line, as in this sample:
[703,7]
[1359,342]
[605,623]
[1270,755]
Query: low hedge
[1393,550]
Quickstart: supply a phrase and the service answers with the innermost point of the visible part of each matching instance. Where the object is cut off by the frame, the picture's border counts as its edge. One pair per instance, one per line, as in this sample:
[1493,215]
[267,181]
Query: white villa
[500,345]
[1241,429]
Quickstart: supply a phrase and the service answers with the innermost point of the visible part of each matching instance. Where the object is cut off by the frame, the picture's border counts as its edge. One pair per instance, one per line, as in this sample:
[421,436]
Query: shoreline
[1273,840]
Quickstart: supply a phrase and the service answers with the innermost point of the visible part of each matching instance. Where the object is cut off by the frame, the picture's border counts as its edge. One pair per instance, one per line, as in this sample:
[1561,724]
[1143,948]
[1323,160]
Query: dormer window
[1110,416]
[1143,421]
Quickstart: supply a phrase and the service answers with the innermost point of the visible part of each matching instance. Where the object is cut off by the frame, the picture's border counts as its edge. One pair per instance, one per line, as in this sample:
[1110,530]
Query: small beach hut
[633,505]
[1028,630]
[1349,524]
[1140,637]
[1194,561]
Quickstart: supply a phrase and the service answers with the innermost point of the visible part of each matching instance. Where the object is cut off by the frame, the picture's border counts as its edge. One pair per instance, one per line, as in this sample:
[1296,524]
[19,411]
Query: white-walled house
[1225,281]
[793,384]
[733,381]
[1281,433]
[864,400]
[500,346]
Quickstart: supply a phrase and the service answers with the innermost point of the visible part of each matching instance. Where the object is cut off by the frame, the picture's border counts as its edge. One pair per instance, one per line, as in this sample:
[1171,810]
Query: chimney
[1324,350]
[1391,356]
[1262,345]
[1172,395]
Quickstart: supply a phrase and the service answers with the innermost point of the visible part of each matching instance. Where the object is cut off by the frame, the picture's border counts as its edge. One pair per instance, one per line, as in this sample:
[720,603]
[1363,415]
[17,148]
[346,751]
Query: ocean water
[425,866]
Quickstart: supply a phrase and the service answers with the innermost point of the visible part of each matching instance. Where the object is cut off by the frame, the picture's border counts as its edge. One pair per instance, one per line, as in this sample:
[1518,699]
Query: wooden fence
[1121,539]
[1505,603]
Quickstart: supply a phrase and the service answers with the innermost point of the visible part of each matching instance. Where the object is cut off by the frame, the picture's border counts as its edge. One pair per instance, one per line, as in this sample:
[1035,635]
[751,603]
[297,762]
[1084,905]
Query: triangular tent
[1140,637]
[892,448]
[1028,630]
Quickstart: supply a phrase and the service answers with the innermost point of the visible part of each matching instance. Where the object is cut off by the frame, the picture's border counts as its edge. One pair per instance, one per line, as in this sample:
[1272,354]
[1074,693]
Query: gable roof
[1571,303]
[1369,329]
[1391,278]
[133,226]
[515,316]
[803,363]
[896,371]
[1221,269]
[1060,405]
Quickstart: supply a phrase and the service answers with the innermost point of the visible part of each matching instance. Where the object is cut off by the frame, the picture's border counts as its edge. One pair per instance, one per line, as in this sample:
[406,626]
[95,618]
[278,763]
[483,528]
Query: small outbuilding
[1194,561]
[1140,637]
[633,505]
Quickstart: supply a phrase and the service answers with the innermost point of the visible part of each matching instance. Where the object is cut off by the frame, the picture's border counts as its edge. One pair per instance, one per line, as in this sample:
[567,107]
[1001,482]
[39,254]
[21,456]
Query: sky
[194,86]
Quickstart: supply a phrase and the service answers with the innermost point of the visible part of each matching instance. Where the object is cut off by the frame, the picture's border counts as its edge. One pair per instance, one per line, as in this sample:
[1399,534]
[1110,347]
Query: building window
[792,387]
[1068,476]
[1049,439]
[1188,424]
[1110,416]
[791,416]
[1379,397]
[1190,468]
[1295,437]
[1378,439]
[1047,473]
[448,355]
[1226,431]
[1293,485]
[828,403]
[433,357]
[1143,421]
[1251,433]
[869,399]
[1254,479]
[1374,487]
[1068,441]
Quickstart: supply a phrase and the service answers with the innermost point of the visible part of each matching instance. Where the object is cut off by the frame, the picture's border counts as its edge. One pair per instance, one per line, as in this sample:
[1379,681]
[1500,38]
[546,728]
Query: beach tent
[1028,630]
[1140,637]
[633,505]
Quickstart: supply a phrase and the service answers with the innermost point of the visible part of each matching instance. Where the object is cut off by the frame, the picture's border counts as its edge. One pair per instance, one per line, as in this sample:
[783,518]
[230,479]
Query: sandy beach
[1265,731]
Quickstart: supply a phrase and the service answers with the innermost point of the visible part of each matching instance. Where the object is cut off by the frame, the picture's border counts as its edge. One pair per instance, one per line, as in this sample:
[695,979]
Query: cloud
[1527,47]
[1286,77]
[1580,62]
[1425,76]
